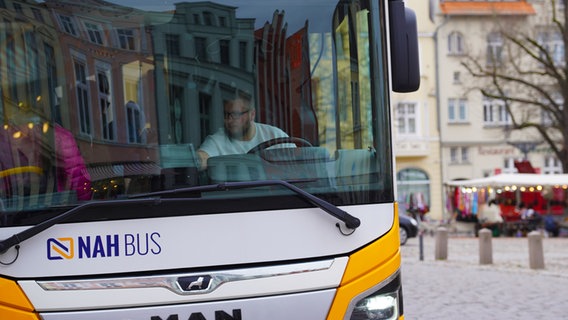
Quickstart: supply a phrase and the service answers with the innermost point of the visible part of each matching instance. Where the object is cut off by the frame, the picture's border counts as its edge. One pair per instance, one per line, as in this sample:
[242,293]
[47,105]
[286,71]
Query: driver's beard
[239,135]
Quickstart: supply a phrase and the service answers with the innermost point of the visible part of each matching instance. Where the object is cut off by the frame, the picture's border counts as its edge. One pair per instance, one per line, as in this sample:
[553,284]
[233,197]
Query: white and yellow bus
[226,159]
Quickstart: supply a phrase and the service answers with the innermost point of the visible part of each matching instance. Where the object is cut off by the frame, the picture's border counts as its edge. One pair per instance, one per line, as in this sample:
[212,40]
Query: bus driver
[239,134]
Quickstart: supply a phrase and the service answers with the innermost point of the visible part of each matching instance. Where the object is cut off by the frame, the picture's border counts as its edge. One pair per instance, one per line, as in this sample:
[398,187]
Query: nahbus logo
[60,248]
[102,246]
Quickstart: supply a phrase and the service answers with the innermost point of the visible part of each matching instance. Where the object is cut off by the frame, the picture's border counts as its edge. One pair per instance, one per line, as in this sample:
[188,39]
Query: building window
[552,165]
[205,114]
[208,18]
[67,25]
[133,97]
[464,155]
[201,49]
[547,118]
[406,118]
[495,113]
[455,43]
[177,112]
[454,155]
[106,106]
[11,61]
[222,22]
[82,91]
[38,15]
[173,45]
[457,77]
[457,110]
[52,83]
[553,43]
[33,69]
[494,49]
[225,52]
[196,18]
[95,33]
[126,39]
[18,8]
[459,155]
[134,122]
[243,49]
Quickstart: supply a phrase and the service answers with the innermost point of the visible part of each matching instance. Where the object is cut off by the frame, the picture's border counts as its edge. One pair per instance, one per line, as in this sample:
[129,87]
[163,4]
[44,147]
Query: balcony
[411,148]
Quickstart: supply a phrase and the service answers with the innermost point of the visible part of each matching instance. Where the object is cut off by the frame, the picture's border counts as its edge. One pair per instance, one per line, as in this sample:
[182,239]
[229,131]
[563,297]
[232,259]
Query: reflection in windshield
[107,101]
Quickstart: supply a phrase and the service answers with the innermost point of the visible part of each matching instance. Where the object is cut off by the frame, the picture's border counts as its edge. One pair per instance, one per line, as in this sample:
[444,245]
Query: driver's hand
[202,157]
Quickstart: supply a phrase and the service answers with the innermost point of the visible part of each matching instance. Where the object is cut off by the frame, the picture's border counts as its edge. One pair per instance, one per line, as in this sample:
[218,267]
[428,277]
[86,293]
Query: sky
[263,10]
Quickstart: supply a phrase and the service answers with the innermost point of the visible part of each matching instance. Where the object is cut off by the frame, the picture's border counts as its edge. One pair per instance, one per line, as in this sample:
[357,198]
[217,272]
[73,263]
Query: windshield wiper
[350,221]
[38,228]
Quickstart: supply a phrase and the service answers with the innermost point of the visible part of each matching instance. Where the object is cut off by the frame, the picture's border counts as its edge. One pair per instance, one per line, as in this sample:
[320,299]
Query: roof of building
[462,8]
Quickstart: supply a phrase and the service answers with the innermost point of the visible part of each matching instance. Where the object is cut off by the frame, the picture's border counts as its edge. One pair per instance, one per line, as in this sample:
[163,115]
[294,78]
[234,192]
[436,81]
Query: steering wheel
[272,142]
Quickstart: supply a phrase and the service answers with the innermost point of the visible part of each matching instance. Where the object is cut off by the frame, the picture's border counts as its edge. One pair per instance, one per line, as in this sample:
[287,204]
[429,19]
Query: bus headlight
[377,307]
[381,302]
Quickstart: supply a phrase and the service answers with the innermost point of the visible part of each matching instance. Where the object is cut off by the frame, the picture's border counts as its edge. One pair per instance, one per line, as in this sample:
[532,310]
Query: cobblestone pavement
[461,288]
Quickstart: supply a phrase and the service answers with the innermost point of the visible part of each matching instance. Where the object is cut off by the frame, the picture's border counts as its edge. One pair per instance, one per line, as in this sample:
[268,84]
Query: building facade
[416,128]
[448,130]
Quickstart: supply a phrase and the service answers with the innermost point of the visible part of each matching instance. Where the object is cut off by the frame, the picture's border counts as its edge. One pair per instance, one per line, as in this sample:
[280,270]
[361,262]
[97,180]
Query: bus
[224,159]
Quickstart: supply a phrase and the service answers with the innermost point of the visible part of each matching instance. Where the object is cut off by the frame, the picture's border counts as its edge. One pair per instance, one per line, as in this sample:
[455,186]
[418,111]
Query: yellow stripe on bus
[14,305]
[367,267]
[18,170]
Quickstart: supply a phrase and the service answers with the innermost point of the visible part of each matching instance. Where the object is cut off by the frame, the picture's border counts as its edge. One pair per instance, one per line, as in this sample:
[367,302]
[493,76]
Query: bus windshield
[110,100]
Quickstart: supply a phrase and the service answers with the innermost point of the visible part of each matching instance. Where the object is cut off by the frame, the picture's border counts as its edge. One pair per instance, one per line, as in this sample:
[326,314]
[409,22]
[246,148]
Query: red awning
[524,167]
[102,172]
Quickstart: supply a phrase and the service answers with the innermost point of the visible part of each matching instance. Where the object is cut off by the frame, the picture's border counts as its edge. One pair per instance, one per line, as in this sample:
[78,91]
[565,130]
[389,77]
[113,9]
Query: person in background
[523,211]
[529,213]
[240,132]
[532,218]
[490,217]
[551,226]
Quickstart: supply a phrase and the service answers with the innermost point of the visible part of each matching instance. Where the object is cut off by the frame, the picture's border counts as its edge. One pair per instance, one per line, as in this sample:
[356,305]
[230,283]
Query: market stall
[545,195]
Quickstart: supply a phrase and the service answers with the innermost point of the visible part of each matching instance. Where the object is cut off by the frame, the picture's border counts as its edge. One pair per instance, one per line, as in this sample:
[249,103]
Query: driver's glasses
[235,115]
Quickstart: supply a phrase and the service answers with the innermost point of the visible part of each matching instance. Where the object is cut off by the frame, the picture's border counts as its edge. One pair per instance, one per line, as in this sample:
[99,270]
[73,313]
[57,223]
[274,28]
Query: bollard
[421,245]
[485,246]
[441,252]
[536,252]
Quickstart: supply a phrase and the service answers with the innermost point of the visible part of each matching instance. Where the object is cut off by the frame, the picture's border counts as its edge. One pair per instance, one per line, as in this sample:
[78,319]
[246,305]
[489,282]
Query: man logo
[60,248]
[194,283]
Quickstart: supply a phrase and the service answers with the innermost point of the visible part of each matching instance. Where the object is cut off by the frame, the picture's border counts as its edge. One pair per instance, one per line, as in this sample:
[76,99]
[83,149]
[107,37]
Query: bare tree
[532,82]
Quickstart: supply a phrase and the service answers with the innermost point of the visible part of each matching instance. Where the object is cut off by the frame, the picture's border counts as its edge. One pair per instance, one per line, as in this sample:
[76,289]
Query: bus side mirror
[404,48]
